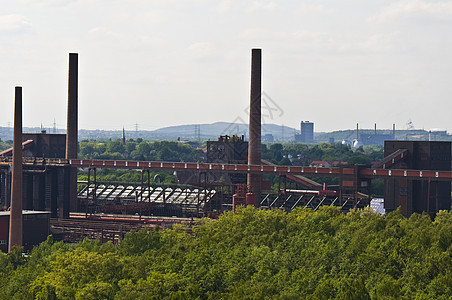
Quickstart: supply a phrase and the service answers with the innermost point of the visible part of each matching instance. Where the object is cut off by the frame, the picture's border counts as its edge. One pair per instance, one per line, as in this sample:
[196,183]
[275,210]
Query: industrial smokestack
[375,126]
[72,108]
[254,145]
[393,131]
[357,131]
[15,219]
[72,128]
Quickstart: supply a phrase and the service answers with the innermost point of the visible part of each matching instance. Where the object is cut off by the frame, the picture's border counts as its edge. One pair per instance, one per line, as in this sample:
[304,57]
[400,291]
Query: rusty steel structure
[106,227]
[362,171]
[347,173]
[368,173]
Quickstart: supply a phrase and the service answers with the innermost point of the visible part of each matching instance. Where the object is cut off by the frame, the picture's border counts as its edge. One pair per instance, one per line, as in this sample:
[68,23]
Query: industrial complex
[38,179]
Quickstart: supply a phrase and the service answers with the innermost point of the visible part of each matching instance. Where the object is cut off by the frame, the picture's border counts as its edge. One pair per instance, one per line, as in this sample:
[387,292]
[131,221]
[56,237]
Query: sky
[158,63]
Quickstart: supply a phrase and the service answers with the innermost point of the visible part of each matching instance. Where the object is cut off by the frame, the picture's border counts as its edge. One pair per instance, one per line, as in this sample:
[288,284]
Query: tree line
[138,150]
[281,154]
[252,254]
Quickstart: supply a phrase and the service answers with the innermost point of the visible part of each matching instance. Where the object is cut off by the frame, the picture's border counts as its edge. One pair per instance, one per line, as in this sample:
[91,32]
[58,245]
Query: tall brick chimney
[254,145]
[15,219]
[72,128]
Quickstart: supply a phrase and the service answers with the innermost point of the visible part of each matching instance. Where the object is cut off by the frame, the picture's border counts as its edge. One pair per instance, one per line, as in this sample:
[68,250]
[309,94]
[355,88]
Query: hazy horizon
[163,63]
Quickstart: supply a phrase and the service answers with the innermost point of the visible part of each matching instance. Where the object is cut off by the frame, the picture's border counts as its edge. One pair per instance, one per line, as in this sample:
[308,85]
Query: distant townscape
[270,133]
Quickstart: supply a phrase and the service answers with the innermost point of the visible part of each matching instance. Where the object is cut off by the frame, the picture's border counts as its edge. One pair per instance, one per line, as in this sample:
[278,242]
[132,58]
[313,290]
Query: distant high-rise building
[306,133]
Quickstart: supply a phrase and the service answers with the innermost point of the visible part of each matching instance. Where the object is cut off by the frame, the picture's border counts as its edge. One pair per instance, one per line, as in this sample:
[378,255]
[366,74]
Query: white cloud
[104,32]
[224,6]
[322,51]
[305,8]
[380,42]
[201,50]
[377,43]
[260,5]
[14,23]
[305,40]
[312,36]
[55,2]
[46,3]
[415,9]
[262,34]
[151,40]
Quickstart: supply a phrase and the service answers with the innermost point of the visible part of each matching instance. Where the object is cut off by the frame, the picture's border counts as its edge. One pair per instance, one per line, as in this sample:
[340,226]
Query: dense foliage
[138,150]
[253,254]
[281,154]
[304,154]
[5,144]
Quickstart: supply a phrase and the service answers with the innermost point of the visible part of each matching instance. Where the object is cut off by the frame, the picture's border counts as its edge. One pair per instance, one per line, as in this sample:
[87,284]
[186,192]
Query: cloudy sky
[169,62]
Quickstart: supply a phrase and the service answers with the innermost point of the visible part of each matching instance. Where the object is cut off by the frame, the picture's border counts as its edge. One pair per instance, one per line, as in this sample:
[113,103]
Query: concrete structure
[254,146]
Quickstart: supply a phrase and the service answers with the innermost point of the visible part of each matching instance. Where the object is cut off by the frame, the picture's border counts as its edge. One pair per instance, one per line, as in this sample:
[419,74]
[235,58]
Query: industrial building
[40,184]
[375,138]
[35,228]
[417,196]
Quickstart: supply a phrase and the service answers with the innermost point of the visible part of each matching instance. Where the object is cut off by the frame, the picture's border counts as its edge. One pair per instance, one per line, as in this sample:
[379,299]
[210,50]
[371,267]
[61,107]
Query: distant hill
[213,131]
[184,132]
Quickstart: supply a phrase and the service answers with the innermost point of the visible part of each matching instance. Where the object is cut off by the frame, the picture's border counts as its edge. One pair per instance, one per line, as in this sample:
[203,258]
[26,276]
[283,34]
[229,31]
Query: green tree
[115,146]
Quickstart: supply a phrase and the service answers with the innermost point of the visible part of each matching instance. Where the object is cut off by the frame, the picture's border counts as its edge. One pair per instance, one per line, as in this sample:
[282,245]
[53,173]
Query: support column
[63,181]
[8,178]
[2,190]
[28,192]
[254,145]
[52,189]
[15,219]
[38,192]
